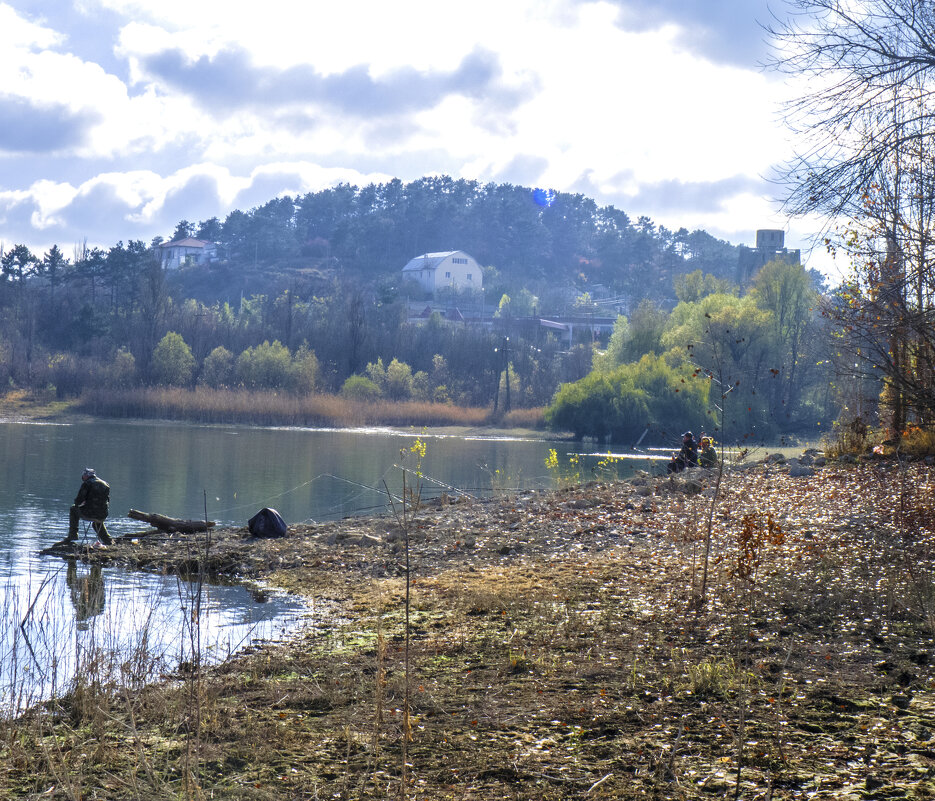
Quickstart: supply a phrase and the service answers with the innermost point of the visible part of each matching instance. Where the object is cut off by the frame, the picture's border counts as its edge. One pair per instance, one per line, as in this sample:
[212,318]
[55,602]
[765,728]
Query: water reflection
[81,623]
[87,592]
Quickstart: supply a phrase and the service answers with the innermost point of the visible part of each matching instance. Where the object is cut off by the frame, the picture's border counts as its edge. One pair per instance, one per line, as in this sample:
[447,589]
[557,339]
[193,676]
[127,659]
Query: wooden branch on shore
[164,523]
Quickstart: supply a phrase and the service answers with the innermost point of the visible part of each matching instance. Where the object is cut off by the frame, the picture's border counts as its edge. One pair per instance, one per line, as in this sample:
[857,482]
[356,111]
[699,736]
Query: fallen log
[164,523]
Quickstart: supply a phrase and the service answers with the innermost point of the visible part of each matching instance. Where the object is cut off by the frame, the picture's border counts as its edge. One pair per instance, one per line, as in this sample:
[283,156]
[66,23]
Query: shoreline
[557,647]
[17,407]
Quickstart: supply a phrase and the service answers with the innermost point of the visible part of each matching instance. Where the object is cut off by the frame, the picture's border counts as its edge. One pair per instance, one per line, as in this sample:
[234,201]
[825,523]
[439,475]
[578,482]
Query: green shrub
[267,366]
[305,370]
[173,362]
[360,388]
[398,380]
[217,370]
[121,373]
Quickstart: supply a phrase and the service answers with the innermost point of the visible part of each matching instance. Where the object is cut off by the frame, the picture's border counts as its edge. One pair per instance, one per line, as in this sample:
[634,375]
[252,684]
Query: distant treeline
[68,327]
[305,299]
[531,238]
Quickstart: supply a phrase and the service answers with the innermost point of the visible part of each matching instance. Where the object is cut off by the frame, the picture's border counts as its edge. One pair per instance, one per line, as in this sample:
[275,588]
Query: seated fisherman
[686,457]
[92,503]
[708,455]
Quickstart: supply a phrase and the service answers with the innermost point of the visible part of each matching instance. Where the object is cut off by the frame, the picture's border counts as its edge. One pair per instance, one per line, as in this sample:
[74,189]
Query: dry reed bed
[203,405]
[558,651]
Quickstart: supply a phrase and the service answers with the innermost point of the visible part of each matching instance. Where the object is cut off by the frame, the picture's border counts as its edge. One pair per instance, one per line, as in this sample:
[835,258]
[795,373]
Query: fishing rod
[642,437]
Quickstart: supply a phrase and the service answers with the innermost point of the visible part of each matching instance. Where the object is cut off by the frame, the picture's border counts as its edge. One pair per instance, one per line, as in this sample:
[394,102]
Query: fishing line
[434,480]
[253,504]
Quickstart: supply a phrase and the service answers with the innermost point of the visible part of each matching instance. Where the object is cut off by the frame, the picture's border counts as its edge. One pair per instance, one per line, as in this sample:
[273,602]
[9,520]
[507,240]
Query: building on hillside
[186,251]
[770,246]
[453,269]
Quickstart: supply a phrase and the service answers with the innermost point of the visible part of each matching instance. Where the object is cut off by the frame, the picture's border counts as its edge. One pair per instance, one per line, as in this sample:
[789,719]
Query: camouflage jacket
[94,494]
[708,457]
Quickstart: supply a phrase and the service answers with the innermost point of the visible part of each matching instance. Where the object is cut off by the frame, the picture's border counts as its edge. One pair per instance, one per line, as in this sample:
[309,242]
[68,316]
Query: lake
[57,613]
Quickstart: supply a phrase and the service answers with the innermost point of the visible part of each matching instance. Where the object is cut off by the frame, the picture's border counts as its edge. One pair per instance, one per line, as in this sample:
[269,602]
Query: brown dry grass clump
[558,651]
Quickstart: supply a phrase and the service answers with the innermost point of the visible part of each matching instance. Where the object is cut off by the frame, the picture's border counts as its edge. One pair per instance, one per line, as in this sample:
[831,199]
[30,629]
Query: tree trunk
[164,523]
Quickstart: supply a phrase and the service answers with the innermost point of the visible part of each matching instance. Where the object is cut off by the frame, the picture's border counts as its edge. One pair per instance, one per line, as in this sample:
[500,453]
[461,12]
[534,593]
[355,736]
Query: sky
[119,118]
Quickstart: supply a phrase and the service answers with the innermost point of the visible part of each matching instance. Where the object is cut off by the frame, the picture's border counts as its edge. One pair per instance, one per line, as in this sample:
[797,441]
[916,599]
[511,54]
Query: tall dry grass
[74,662]
[203,405]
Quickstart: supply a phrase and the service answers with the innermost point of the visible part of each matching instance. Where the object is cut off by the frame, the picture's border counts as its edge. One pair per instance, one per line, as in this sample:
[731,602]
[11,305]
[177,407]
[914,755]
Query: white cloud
[16,32]
[141,204]
[559,93]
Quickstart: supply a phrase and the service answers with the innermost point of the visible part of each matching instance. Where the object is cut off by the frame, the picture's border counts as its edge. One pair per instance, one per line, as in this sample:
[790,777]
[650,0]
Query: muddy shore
[560,647]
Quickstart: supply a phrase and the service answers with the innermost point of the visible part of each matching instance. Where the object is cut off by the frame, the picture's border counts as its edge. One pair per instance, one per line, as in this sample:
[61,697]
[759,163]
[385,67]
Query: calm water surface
[56,614]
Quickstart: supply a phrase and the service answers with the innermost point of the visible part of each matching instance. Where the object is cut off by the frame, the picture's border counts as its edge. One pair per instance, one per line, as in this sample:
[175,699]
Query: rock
[776,458]
[691,487]
[800,470]
[901,700]
[366,541]
[905,678]
[873,783]
[582,503]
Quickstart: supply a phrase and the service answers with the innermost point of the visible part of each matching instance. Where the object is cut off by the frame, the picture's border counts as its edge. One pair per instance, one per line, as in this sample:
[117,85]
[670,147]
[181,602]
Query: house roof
[429,261]
[188,242]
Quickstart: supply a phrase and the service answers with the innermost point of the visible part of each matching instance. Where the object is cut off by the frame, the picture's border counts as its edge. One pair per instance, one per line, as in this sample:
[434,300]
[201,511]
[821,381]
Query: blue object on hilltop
[543,197]
[267,523]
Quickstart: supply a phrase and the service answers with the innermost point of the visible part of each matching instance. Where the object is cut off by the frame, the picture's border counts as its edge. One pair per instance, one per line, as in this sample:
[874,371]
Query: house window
[468,276]
[456,260]
[447,275]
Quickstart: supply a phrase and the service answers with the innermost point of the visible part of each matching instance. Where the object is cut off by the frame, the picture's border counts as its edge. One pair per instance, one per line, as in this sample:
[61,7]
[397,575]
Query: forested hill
[528,235]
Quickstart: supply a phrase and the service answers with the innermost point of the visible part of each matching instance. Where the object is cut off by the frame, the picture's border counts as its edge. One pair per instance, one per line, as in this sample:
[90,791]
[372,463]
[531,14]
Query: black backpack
[267,523]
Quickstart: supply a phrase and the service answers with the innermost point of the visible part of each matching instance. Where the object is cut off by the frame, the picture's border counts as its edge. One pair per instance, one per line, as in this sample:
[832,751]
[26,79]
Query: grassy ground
[559,648]
[22,405]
